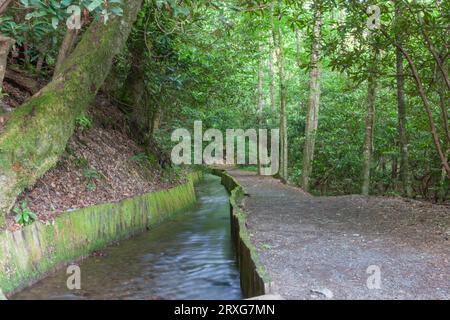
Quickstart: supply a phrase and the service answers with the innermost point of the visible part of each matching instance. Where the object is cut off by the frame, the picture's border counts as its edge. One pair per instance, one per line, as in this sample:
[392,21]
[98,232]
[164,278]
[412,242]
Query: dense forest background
[359,89]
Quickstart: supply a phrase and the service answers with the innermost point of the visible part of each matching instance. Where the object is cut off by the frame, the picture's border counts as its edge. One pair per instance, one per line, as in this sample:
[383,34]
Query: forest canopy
[358,89]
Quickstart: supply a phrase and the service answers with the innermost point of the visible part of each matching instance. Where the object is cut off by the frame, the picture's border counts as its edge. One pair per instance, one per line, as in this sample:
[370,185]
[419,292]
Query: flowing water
[190,257]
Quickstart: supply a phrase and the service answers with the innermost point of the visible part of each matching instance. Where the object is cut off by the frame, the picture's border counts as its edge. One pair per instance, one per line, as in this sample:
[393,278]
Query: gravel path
[328,247]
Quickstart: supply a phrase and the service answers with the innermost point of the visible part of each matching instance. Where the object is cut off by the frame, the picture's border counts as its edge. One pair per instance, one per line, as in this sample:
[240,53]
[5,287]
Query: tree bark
[405,175]
[426,103]
[314,102]
[297,47]
[422,27]
[260,98]
[3,5]
[443,103]
[394,168]
[37,133]
[67,45]
[134,88]
[370,121]
[5,46]
[272,76]
[156,119]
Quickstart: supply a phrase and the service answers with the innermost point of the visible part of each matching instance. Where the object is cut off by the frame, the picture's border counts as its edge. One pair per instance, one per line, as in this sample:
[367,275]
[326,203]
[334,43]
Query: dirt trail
[321,247]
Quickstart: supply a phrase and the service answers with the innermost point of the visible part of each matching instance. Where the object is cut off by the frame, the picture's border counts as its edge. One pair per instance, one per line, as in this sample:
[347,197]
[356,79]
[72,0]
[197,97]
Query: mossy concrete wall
[255,281]
[27,255]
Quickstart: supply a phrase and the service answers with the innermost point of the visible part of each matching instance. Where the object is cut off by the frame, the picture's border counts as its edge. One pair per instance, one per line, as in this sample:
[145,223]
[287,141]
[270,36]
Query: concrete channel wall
[29,254]
[254,279]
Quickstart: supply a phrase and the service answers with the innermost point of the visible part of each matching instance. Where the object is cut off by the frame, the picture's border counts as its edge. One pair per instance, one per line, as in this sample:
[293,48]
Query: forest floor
[322,247]
[101,164]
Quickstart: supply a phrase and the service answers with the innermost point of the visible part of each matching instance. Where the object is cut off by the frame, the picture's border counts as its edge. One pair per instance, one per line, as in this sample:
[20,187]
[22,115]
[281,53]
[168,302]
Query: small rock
[5,108]
[327,293]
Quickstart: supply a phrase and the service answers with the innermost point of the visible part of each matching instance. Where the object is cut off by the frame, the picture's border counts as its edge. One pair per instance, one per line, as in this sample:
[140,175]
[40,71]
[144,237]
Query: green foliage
[173,174]
[24,216]
[140,157]
[58,11]
[83,122]
[249,168]
[82,162]
[202,58]
[2,94]
[91,176]
[40,25]
[145,159]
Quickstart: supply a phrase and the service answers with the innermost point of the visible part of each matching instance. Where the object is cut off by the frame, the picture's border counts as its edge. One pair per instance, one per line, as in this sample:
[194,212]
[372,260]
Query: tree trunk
[260,98]
[426,104]
[37,133]
[444,181]
[297,46]
[272,76]
[3,5]
[156,119]
[314,101]
[40,63]
[66,48]
[394,168]
[134,88]
[405,175]
[443,102]
[283,123]
[423,96]
[5,46]
[370,121]
[444,96]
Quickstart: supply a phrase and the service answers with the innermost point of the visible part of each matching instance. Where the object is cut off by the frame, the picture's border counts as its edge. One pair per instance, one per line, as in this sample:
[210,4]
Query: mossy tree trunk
[37,133]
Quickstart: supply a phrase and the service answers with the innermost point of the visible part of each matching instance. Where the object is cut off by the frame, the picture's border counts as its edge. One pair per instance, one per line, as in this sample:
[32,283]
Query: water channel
[189,257]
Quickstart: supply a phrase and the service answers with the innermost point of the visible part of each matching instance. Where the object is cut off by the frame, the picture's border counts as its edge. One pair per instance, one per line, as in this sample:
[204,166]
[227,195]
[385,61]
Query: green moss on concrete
[30,253]
[255,280]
